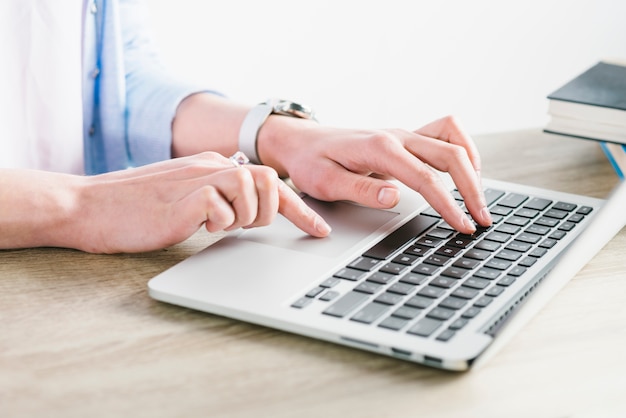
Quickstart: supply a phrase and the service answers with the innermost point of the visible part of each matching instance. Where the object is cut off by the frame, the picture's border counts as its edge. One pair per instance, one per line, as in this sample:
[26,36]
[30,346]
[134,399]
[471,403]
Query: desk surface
[79,335]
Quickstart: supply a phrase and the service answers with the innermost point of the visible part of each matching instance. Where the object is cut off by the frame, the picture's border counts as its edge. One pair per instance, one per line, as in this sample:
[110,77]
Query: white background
[392,63]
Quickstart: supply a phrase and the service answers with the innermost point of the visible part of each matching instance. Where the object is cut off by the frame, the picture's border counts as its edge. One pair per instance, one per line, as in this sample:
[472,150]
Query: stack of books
[593,106]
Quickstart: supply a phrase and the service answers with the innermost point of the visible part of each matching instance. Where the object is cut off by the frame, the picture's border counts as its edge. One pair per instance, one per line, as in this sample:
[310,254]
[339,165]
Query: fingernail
[322,227]
[388,196]
[486,215]
[467,222]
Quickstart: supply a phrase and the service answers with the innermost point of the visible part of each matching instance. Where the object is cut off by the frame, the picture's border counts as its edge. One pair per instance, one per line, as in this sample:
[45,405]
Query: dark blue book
[592,105]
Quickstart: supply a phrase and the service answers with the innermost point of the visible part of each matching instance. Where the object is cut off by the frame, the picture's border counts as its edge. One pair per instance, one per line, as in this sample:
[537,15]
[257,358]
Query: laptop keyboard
[430,281]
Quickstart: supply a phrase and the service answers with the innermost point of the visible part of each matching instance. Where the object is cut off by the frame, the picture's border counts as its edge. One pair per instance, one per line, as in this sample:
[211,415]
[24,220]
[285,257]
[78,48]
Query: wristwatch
[257,116]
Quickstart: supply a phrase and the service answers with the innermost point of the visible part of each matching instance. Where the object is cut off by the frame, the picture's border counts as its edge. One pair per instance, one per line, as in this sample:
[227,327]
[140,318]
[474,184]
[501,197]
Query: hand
[340,164]
[153,206]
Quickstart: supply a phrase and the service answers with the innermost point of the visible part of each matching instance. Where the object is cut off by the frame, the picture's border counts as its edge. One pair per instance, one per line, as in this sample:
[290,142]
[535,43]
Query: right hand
[161,204]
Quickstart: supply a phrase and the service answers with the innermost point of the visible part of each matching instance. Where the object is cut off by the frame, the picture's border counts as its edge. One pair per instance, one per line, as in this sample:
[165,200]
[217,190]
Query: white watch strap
[250,129]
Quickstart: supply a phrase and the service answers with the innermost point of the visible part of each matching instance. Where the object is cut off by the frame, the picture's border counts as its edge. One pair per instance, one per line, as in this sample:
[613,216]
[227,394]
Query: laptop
[398,282]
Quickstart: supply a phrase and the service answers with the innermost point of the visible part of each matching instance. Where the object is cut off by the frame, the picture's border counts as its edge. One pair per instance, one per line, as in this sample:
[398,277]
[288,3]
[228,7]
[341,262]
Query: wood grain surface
[80,337]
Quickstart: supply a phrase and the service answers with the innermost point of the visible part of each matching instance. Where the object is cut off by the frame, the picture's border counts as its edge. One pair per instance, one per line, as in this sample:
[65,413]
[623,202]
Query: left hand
[342,164]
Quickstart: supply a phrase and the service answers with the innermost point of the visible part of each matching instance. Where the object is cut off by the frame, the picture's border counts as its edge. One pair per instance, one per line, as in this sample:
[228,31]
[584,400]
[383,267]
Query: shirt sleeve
[153,94]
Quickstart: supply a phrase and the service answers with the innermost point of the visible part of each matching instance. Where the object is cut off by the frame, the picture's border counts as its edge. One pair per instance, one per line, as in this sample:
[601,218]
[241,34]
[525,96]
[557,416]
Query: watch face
[286,107]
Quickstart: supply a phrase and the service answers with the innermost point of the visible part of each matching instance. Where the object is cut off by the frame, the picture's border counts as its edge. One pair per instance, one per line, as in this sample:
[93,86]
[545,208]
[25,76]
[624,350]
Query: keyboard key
[406,259]
[519,246]
[500,210]
[548,243]
[483,301]
[425,327]
[381,278]
[407,312]
[466,263]
[440,313]
[370,313]
[455,272]
[538,203]
[302,302]
[419,302]
[431,292]
[476,283]
[458,324]
[350,274]
[390,244]
[495,291]
[346,304]
[440,233]
[555,213]
[368,287]
[538,253]
[567,226]
[443,282]
[453,303]
[546,221]
[558,235]
[447,251]
[471,312]
[461,241]
[486,245]
[426,269]
[491,195]
[568,207]
[437,260]
[528,262]
[487,273]
[538,229]
[508,229]
[393,323]
[428,242]
[508,255]
[364,263]
[446,335]
[517,220]
[330,282]
[477,254]
[413,278]
[314,292]
[528,238]
[516,271]
[388,298]
[401,288]
[507,281]
[329,296]
[576,218]
[417,250]
[393,268]
[584,210]
[465,293]
[512,200]
[527,213]
[498,264]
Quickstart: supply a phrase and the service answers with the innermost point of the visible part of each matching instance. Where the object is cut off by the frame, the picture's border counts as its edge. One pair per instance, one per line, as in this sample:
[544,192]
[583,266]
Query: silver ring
[239,159]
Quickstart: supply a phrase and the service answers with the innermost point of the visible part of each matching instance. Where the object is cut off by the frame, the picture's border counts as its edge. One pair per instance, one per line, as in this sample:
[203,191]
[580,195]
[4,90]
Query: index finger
[449,129]
[292,207]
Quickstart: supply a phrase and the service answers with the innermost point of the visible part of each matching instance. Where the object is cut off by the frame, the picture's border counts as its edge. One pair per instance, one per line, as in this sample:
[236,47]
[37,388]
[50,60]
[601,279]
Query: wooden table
[80,337]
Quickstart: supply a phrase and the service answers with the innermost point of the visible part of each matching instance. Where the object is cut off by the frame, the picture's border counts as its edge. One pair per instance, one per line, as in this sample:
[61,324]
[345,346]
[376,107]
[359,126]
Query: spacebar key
[401,236]
[347,303]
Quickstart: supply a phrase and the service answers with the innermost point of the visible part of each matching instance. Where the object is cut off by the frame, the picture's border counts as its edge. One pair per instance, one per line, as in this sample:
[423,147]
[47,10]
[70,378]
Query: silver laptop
[398,282]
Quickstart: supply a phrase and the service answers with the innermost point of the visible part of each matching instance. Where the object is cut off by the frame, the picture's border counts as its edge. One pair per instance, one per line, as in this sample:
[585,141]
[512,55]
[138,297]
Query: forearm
[37,208]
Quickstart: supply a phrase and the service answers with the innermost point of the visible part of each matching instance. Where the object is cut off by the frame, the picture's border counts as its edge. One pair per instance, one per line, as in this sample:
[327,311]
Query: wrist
[280,138]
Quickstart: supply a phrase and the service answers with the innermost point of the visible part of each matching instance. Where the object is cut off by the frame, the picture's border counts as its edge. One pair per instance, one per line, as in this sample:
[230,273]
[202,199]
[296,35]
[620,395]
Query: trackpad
[350,223]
